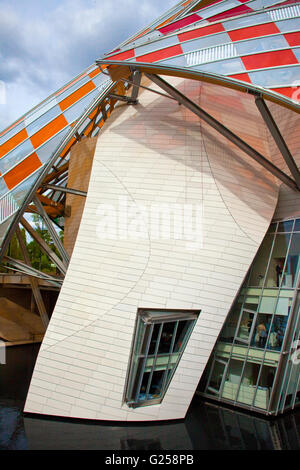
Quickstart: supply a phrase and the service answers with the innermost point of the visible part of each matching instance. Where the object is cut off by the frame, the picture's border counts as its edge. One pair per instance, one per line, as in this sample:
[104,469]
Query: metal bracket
[126,99]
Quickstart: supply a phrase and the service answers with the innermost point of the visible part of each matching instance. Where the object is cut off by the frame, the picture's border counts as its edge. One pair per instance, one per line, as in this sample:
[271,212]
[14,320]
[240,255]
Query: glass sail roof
[255,42]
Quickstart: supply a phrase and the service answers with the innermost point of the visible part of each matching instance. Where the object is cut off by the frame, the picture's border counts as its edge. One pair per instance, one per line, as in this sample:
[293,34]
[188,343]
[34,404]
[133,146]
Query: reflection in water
[231,429]
[50,434]
[140,444]
[12,433]
[206,426]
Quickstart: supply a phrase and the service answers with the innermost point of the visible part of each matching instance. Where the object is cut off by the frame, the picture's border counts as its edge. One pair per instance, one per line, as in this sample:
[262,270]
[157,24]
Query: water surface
[206,427]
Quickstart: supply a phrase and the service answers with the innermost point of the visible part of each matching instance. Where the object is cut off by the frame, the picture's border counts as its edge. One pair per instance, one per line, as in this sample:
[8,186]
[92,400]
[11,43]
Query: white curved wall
[158,152]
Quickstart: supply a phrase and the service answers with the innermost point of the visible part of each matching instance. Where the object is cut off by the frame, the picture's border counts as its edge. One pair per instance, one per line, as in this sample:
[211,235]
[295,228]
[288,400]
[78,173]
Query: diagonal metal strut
[23,268]
[136,80]
[279,140]
[258,157]
[52,231]
[64,189]
[33,281]
[44,246]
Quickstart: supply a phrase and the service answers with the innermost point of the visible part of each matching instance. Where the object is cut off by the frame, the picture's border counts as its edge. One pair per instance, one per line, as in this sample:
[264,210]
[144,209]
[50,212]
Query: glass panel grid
[262,319]
[159,341]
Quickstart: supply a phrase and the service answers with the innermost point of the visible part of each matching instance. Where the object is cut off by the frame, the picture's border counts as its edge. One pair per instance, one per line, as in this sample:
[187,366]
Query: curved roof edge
[220,80]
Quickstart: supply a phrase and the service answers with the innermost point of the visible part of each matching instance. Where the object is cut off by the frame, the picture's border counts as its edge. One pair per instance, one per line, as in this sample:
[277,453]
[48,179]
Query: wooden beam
[43,245]
[54,235]
[33,281]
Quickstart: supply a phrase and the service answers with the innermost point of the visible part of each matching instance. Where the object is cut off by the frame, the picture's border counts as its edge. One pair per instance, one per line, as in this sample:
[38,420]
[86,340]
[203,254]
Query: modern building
[172,165]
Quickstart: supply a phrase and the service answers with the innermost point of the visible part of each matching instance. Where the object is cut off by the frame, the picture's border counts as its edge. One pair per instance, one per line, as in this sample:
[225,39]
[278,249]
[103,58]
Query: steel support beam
[33,281]
[23,268]
[62,189]
[210,120]
[54,235]
[136,82]
[56,157]
[94,120]
[43,245]
[277,136]
[126,99]
[103,111]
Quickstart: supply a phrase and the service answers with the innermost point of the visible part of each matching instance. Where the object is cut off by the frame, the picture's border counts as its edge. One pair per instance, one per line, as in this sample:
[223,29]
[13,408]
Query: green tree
[39,260]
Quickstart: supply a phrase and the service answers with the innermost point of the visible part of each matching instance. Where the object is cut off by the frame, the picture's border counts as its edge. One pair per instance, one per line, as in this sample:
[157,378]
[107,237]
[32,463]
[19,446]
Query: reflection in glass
[258,326]
[248,383]
[154,337]
[277,333]
[297,225]
[181,332]
[264,387]
[251,302]
[293,388]
[261,330]
[285,226]
[261,262]
[245,327]
[159,341]
[166,338]
[277,260]
[228,331]
[217,375]
[232,381]
[292,266]
[156,383]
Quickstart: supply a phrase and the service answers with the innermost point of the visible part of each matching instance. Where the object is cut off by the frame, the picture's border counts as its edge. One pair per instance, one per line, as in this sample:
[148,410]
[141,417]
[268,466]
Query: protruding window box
[159,341]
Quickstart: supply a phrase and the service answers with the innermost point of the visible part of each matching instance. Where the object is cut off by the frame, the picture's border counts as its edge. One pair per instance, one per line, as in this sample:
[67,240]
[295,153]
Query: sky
[45,43]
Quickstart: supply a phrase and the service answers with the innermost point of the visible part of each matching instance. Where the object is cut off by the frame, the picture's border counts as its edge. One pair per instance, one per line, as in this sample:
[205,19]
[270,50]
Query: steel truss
[48,196]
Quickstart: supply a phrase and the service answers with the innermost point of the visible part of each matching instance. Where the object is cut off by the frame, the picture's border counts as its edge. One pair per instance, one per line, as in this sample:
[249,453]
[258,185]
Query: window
[246,326]
[159,341]
[277,260]
[260,264]
[216,378]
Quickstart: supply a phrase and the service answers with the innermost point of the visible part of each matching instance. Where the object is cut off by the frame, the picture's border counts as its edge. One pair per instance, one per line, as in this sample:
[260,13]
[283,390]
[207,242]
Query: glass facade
[159,341]
[255,361]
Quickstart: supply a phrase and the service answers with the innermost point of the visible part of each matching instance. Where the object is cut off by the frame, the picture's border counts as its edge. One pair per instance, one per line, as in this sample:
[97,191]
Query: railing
[8,207]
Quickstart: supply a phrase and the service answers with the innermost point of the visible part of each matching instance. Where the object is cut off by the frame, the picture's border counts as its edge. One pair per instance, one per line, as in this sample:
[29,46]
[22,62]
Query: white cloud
[45,44]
